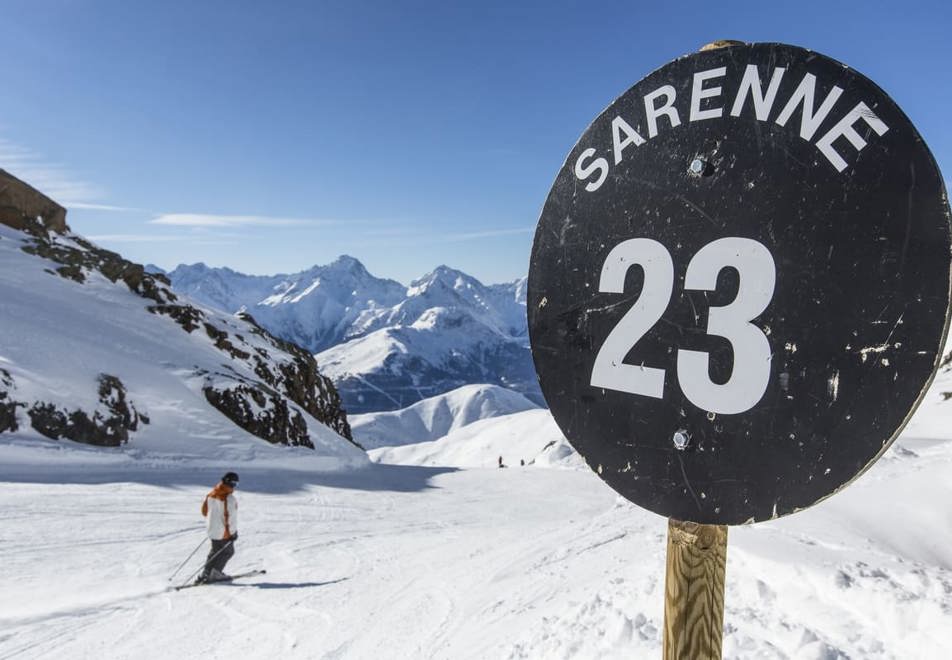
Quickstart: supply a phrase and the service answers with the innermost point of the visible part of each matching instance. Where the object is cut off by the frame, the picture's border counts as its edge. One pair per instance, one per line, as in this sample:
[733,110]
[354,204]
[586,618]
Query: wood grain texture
[694,591]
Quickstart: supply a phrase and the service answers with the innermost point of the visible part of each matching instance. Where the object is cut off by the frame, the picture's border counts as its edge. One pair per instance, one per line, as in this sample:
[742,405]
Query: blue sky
[269,137]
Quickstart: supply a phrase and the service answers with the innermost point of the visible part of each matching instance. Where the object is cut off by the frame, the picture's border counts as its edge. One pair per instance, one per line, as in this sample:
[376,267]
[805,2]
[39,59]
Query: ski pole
[187,558]
[208,561]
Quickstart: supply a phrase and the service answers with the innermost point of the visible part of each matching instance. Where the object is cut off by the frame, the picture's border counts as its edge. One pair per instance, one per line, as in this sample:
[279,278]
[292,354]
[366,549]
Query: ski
[260,571]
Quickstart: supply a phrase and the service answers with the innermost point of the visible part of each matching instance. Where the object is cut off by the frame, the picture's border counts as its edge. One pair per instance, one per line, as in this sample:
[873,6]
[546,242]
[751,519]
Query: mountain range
[385,346]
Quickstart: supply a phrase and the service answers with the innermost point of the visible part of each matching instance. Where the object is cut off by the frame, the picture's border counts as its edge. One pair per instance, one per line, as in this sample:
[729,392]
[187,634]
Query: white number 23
[751,372]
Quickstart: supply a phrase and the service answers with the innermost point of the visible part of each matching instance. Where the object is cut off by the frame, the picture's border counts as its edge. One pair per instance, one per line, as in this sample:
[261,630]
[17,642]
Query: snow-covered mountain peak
[447,329]
[347,263]
[442,278]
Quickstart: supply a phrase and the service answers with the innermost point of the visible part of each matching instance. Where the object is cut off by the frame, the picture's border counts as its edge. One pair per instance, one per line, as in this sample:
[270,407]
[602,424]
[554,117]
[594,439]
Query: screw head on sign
[681,440]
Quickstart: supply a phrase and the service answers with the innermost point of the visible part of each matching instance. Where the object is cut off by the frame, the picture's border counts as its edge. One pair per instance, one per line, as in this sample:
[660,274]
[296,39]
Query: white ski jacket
[221,514]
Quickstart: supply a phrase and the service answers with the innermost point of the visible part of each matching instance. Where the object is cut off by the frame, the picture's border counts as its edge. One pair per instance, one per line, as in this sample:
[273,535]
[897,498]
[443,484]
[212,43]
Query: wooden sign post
[738,293]
[694,591]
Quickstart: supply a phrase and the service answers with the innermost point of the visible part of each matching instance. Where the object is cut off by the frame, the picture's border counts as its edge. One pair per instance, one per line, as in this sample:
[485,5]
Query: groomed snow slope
[414,562]
[435,417]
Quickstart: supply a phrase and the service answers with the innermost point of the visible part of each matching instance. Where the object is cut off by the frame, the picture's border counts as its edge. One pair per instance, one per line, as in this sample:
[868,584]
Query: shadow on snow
[287,585]
[374,477]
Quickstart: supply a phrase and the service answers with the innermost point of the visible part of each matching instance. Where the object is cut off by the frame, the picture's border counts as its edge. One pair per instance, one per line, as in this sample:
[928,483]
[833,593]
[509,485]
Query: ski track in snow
[415,562]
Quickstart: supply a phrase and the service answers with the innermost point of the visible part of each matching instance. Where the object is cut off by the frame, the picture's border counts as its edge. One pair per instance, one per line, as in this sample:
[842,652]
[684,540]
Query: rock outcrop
[27,209]
[108,426]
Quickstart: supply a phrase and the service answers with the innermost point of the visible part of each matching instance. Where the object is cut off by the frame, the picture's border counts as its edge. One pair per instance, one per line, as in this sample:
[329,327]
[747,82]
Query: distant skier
[501,464]
[220,509]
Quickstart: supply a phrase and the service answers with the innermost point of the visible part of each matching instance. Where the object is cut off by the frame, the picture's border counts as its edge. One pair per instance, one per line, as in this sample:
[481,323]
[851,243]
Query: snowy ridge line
[432,418]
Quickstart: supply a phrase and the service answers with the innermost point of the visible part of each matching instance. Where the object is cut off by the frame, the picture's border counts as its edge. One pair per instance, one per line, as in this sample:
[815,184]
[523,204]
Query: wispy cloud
[489,233]
[421,236]
[52,179]
[140,238]
[154,238]
[211,220]
[85,206]
[392,231]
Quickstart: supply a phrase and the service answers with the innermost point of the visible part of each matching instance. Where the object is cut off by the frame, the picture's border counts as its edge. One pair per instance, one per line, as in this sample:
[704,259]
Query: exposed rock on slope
[264,385]
[109,425]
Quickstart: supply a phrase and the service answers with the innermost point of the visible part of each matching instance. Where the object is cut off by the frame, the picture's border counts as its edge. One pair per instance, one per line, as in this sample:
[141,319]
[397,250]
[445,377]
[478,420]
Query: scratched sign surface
[739,285]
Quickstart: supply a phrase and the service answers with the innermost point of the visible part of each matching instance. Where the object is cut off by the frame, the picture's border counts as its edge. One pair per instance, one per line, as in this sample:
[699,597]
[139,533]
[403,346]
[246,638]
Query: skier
[220,508]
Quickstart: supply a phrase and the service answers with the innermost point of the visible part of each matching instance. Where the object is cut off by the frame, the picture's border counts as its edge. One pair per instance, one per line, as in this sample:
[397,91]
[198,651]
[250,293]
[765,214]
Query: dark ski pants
[219,555]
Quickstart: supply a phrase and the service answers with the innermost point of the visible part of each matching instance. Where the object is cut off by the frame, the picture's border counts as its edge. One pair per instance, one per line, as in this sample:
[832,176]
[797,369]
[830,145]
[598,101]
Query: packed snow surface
[411,561]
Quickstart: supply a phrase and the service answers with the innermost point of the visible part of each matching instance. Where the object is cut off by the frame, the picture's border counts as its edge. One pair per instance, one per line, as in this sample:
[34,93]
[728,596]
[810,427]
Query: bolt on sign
[739,285]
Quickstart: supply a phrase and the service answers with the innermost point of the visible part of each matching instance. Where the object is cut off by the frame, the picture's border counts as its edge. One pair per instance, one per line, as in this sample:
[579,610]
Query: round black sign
[739,285]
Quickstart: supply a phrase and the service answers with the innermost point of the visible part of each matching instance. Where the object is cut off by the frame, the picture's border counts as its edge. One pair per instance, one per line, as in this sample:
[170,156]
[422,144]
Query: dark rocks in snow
[8,407]
[221,342]
[296,378]
[109,425]
[302,381]
[185,315]
[8,414]
[270,418]
[83,257]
